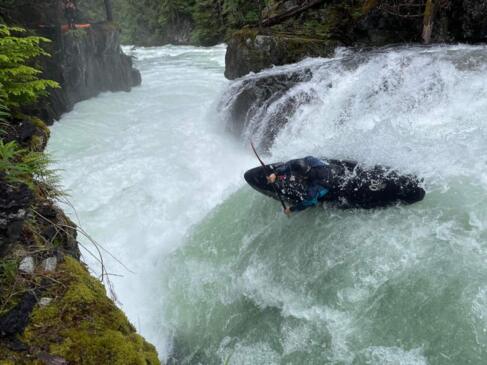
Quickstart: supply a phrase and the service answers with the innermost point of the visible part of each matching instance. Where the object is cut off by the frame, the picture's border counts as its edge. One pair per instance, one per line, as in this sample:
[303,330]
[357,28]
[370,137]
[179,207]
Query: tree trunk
[429,14]
[109,10]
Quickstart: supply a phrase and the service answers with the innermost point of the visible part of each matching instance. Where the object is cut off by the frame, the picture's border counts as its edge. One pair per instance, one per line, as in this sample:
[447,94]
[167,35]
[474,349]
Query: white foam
[348,287]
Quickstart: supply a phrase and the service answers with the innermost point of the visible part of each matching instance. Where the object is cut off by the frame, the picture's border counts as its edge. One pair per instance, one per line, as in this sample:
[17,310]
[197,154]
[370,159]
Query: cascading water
[222,276]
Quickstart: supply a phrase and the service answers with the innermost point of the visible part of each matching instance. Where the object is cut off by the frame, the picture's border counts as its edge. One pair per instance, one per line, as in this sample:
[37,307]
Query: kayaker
[310,172]
[70,11]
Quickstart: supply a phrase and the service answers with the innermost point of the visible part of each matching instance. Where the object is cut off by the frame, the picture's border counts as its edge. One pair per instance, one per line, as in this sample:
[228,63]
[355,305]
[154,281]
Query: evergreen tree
[209,22]
[241,12]
[148,21]
[19,82]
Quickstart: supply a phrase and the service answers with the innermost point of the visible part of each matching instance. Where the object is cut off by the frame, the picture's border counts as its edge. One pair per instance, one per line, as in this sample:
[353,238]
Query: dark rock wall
[260,105]
[86,63]
[14,204]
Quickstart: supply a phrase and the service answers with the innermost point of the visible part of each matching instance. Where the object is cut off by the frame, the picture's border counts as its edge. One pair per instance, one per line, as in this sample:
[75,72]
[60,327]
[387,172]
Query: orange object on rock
[65,27]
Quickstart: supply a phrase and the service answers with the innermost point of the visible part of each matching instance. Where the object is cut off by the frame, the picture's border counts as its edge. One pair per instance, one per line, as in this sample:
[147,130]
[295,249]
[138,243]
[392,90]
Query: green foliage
[241,12]
[19,82]
[149,22]
[209,22]
[91,9]
[4,112]
[4,116]
[140,21]
[24,166]
[8,271]
[172,11]
[8,288]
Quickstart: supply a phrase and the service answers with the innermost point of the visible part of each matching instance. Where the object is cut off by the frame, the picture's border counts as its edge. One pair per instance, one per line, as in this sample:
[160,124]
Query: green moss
[106,347]
[12,357]
[39,124]
[36,143]
[246,33]
[84,326]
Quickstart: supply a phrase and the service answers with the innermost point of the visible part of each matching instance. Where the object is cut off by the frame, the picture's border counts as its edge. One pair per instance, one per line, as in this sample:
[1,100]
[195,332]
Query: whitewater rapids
[221,276]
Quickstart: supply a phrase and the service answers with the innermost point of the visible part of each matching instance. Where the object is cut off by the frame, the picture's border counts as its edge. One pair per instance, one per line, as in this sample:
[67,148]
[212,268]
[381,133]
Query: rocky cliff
[52,311]
[85,62]
[292,30]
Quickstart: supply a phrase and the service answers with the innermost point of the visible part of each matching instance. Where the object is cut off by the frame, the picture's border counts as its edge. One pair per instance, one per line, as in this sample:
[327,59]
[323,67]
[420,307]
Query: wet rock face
[90,62]
[85,62]
[93,62]
[15,201]
[259,106]
[15,321]
[63,231]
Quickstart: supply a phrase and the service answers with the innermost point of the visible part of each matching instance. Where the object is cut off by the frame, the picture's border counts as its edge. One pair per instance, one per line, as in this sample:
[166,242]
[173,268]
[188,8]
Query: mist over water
[222,276]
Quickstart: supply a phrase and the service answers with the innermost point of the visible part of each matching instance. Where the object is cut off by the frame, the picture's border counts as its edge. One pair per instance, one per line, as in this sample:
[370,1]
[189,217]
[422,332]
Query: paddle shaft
[269,169]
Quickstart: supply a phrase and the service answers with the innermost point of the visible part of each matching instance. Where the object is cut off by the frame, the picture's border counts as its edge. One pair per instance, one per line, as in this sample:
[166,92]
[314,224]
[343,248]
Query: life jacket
[313,162]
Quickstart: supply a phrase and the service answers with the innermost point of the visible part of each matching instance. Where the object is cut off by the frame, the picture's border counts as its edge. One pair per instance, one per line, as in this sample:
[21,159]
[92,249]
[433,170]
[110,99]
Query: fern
[4,115]
[20,165]
[19,82]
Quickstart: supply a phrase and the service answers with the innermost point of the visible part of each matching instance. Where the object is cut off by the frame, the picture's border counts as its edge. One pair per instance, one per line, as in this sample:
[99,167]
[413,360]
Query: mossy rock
[249,51]
[83,326]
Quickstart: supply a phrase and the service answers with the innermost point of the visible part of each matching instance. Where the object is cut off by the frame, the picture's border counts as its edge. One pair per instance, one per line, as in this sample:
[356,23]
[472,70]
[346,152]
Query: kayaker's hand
[271,179]
[287,211]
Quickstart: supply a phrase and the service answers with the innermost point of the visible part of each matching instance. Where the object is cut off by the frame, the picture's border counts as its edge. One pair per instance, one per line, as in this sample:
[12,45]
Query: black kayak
[350,185]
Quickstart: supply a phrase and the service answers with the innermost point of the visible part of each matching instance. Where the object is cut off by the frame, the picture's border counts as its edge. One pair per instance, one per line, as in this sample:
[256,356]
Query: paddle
[269,169]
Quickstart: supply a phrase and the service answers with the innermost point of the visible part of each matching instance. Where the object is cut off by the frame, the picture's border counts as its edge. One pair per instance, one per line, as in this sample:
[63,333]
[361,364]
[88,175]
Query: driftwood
[429,14]
[279,18]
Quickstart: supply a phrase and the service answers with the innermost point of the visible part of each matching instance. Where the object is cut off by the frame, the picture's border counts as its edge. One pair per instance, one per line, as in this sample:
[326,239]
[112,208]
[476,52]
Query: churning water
[221,276]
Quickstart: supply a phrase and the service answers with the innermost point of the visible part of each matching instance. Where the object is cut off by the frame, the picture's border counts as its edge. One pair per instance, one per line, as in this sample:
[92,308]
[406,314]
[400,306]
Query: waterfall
[221,276]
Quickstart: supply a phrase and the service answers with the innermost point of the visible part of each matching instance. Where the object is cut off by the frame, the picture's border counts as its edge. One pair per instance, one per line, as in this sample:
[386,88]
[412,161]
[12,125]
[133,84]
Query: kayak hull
[350,185]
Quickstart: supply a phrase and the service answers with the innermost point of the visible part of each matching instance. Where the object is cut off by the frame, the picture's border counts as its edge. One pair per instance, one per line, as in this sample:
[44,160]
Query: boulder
[251,52]
[43,302]
[260,105]
[27,265]
[49,264]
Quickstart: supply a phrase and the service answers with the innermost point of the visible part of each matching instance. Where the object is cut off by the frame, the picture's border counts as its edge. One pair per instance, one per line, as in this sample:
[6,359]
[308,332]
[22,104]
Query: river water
[221,276]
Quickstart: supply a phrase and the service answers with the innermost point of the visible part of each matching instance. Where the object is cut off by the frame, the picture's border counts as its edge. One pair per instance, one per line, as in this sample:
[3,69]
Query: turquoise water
[223,277]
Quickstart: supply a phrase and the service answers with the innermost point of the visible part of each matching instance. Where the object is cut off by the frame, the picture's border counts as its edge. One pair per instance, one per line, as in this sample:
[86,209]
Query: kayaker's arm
[314,194]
